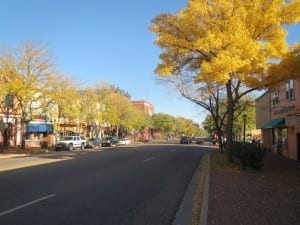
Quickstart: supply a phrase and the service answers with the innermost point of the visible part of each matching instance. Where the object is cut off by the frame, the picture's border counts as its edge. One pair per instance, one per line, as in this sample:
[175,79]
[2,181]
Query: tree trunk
[23,134]
[229,125]
[220,141]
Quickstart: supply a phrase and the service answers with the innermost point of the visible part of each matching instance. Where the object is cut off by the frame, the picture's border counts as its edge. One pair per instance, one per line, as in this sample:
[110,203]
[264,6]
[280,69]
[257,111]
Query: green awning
[274,123]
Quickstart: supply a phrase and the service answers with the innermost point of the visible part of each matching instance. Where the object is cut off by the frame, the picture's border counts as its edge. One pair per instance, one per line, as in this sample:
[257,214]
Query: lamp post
[244,119]
[244,142]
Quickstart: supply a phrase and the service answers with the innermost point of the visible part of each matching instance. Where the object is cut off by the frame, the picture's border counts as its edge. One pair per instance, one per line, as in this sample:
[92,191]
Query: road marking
[26,204]
[149,159]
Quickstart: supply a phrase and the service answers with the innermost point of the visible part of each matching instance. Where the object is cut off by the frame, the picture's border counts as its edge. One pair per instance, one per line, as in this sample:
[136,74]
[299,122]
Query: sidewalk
[14,152]
[267,197]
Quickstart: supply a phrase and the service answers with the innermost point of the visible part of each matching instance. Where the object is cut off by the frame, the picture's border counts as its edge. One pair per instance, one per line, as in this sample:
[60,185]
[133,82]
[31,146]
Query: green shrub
[249,155]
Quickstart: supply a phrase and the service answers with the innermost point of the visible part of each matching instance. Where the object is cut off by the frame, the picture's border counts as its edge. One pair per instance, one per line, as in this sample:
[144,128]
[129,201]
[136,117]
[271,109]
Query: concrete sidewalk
[267,197]
[11,155]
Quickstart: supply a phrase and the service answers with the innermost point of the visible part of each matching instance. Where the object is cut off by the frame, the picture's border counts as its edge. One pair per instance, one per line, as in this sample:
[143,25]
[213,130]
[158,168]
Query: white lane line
[26,204]
[149,159]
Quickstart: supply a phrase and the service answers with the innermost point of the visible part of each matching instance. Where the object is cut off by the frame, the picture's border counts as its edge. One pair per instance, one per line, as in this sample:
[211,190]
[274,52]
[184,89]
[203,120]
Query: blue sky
[97,40]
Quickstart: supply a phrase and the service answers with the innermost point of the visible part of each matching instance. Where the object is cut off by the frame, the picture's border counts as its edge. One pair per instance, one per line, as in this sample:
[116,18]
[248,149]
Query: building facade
[149,109]
[145,106]
[278,116]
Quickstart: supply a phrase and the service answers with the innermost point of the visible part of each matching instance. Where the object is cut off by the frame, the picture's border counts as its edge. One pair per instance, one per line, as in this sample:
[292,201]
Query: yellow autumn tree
[288,68]
[225,42]
[64,95]
[25,72]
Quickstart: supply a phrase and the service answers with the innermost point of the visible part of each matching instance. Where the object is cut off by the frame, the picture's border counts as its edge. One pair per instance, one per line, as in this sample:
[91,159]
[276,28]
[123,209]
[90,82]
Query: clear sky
[97,40]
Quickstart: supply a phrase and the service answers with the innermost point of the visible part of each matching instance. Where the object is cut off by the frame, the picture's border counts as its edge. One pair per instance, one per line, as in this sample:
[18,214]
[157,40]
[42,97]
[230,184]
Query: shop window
[280,138]
[275,97]
[284,139]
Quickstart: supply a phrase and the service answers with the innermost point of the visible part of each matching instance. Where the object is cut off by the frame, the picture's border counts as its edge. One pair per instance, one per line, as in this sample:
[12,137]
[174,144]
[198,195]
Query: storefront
[280,136]
[39,134]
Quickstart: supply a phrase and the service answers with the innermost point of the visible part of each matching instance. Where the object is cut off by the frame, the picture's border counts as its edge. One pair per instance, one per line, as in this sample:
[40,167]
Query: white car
[71,142]
[124,141]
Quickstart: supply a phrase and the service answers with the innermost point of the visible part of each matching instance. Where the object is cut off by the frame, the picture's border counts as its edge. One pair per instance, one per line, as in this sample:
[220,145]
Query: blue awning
[274,123]
[39,127]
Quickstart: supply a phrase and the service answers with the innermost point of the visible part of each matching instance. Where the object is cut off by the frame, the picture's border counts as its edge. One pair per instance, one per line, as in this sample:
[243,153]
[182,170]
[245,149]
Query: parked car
[93,142]
[110,141]
[184,140]
[71,142]
[125,141]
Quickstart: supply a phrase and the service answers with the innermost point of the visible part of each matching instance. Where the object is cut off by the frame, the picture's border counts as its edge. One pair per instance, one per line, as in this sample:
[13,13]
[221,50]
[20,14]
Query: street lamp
[244,119]
[243,153]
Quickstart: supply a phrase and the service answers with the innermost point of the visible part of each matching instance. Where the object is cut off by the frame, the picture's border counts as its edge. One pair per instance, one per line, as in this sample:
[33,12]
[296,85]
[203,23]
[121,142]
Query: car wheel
[71,147]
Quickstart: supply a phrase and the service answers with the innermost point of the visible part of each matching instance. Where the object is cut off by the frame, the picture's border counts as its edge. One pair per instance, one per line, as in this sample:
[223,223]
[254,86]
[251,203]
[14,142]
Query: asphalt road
[129,186]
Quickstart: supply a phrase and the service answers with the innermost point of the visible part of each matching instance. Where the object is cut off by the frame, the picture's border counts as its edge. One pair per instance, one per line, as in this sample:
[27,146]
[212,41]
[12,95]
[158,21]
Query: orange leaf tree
[225,42]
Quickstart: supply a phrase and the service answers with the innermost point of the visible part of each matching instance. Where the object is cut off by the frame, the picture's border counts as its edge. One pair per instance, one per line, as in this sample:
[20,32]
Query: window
[275,98]
[289,90]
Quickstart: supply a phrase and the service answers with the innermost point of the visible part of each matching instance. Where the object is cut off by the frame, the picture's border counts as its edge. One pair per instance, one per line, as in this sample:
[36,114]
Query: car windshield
[67,138]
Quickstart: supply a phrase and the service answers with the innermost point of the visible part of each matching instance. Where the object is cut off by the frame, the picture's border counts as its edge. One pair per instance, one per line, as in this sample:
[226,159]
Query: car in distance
[125,141]
[93,142]
[110,141]
[71,142]
[184,140]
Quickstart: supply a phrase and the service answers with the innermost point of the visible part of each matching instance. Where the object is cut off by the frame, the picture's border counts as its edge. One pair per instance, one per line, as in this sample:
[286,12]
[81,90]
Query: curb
[204,207]
[198,185]
[8,156]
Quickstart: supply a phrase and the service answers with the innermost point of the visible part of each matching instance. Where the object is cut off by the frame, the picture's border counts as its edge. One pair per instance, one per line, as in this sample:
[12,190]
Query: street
[128,186]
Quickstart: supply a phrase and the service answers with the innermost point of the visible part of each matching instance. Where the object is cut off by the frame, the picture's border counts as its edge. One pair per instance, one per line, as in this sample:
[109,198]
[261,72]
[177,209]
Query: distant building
[145,106]
[148,108]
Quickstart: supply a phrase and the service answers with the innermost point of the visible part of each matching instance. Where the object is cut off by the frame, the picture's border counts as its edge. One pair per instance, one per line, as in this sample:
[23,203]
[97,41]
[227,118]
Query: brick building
[149,109]
[145,106]
[278,116]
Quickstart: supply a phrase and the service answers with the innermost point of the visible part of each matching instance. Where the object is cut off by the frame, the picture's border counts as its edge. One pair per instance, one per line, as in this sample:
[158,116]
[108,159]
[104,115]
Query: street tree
[288,68]
[63,92]
[26,71]
[117,109]
[88,108]
[225,43]
[248,109]
[210,97]
[138,121]
[163,123]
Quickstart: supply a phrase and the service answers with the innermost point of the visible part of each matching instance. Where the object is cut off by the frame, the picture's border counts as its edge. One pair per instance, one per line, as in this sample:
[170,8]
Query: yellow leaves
[164,70]
[290,12]
[288,68]
[225,37]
